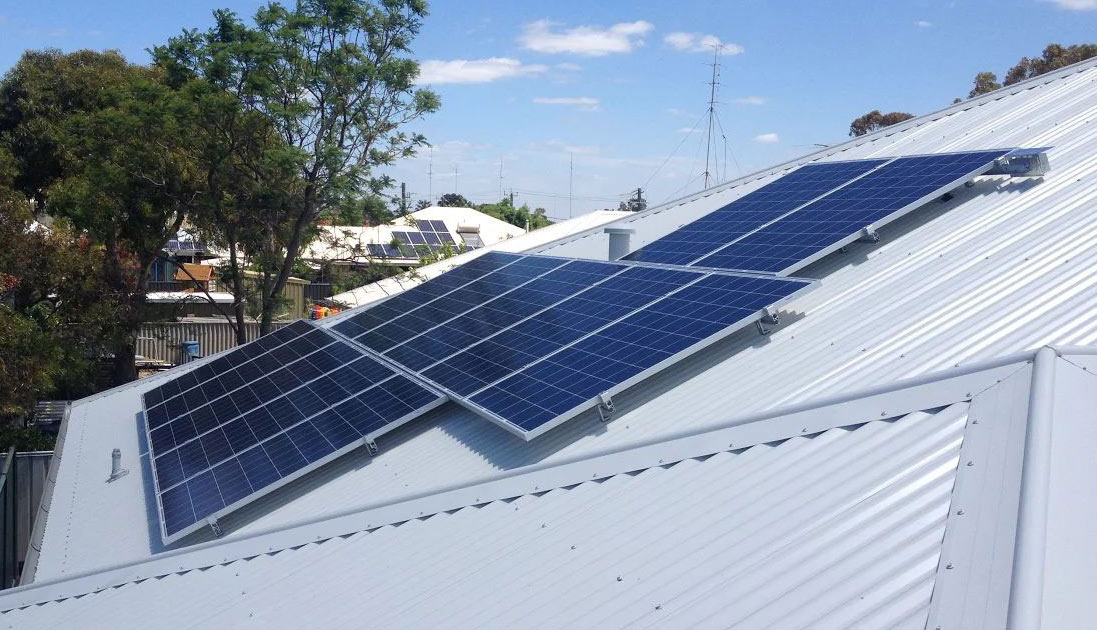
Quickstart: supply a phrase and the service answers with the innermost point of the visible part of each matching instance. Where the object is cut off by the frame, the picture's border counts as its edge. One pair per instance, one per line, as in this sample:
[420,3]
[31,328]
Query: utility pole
[711,106]
[455,178]
[500,177]
[511,197]
[571,178]
[403,198]
[430,177]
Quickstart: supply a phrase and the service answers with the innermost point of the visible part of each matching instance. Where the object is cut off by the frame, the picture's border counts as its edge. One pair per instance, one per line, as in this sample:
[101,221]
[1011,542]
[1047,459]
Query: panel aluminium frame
[893,216]
[466,401]
[211,521]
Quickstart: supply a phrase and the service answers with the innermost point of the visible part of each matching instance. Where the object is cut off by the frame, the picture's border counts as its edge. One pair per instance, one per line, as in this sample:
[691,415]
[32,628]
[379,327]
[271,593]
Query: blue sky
[616,87]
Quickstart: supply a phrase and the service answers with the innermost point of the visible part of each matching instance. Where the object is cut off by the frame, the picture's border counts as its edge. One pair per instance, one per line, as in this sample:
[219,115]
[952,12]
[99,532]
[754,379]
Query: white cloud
[766,138]
[699,42]
[564,147]
[568,67]
[1075,5]
[593,41]
[475,70]
[689,130]
[925,23]
[584,103]
[750,100]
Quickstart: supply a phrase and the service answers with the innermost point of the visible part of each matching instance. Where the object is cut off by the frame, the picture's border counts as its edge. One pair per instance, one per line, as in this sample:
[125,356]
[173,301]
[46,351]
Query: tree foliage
[334,81]
[875,120]
[96,144]
[521,216]
[454,200]
[1055,56]
[984,82]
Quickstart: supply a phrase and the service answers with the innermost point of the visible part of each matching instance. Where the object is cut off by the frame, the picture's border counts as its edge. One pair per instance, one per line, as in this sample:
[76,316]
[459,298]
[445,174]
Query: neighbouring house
[405,241]
[910,444]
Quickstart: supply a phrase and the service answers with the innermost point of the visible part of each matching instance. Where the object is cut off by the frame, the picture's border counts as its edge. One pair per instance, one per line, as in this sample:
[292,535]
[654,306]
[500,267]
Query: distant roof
[350,243]
[192,272]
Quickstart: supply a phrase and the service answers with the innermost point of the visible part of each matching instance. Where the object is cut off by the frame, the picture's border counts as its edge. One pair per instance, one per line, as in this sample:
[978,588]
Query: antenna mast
[571,178]
[712,106]
[430,177]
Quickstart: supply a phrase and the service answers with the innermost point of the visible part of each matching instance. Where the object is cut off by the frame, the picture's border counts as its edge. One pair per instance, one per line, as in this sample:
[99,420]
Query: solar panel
[475,338]
[264,414]
[556,387]
[836,219]
[750,212]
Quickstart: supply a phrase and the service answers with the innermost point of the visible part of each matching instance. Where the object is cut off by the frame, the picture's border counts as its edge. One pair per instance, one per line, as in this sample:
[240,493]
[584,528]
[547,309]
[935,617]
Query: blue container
[189,351]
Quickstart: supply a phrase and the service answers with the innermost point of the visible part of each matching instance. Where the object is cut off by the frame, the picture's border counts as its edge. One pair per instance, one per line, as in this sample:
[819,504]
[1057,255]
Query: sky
[574,105]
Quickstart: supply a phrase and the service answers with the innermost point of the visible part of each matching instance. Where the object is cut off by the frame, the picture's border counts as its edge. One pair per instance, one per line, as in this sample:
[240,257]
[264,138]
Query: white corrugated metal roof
[811,518]
[1003,266]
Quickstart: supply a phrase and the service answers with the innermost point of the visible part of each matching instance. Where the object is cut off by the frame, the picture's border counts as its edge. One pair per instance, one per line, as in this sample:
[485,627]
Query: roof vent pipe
[116,469]
[619,245]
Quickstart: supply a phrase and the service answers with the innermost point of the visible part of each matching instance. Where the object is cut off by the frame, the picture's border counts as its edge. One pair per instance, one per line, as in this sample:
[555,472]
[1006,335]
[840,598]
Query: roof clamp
[605,407]
[214,526]
[371,446]
[769,318]
[869,235]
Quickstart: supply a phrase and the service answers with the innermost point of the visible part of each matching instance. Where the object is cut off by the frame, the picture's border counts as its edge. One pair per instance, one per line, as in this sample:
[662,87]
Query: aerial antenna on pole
[713,84]
[430,177]
[571,178]
[500,177]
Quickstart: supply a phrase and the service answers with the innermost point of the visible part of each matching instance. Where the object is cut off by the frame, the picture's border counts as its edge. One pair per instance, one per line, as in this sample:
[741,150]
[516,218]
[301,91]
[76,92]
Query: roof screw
[573,546]
[660,461]
[543,526]
[618,578]
[804,430]
[948,566]
[959,512]
[660,607]
[975,421]
[883,413]
[971,462]
[968,395]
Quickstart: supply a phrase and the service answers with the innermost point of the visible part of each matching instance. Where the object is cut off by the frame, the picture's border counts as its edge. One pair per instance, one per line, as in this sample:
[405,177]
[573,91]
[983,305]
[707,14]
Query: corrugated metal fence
[22,480]
[160,340]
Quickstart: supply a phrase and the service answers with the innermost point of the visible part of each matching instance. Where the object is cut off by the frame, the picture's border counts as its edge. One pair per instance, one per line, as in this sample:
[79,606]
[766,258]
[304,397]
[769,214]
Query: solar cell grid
[607,359]
[310,399]
[750,212]
[901,184]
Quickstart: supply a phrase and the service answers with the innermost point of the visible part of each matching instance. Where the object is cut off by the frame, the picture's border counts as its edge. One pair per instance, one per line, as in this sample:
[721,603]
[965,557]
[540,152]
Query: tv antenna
[713,85]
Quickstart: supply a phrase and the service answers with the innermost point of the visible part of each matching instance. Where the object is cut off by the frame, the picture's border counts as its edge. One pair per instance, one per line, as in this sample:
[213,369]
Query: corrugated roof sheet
[1005,265]
[837,529]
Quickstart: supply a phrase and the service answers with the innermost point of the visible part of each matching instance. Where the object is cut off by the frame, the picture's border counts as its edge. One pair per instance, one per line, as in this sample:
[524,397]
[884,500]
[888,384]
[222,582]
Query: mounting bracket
[869,235]
[371,446]
[605,407]
[769,317]
[214,526]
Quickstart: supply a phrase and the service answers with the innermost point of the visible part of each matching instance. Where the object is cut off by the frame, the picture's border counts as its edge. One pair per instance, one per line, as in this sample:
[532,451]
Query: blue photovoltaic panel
[750,212]
[379,314]
[264,414]
[571,380]
[803,235]
[566,322]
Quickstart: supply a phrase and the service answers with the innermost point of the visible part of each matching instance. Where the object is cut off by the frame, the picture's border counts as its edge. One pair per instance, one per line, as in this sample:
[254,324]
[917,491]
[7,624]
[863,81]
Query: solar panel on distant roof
[826,224]
[262,415]
[751,211]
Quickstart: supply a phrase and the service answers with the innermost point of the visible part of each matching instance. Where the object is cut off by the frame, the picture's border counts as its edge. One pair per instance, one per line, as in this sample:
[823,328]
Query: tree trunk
[237,289]
[270,293]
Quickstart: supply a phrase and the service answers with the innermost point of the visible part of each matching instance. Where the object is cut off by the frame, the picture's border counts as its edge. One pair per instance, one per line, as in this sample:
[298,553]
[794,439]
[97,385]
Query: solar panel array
[527,341]
[530,340]
[822,225]
[750,212]
[261,415]
[431,236]
[811,211]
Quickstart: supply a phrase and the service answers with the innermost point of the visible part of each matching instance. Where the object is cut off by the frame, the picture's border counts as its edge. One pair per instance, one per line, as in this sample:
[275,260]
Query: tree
[422,204]
[331,78]
[54,309]
[984,82]
[874,121]
[522,216]
[96,141]
[454,200]
[1055,56]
